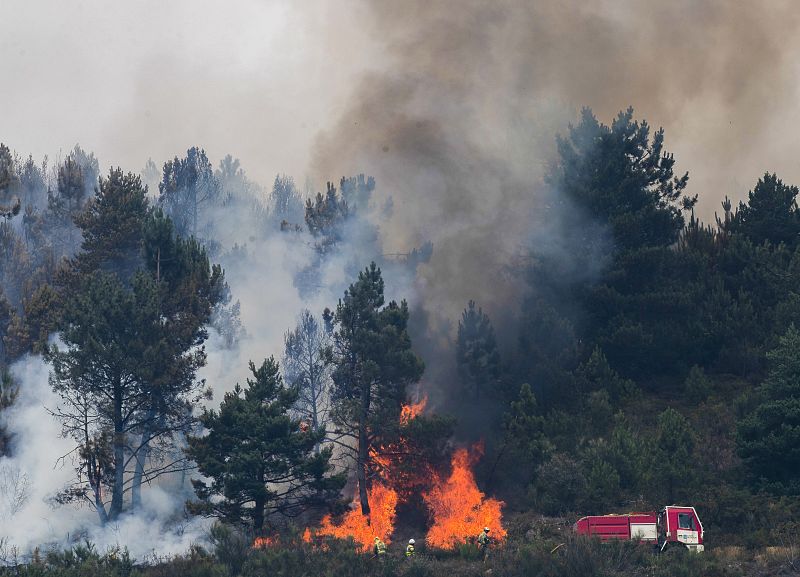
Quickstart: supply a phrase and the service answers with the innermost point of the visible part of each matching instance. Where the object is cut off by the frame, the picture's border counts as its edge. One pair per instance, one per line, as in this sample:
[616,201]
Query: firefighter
[380,548]
[410,552]
[483,543]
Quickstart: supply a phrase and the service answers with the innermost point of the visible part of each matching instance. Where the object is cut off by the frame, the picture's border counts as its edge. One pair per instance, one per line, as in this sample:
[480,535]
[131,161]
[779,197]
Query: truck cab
[680,525]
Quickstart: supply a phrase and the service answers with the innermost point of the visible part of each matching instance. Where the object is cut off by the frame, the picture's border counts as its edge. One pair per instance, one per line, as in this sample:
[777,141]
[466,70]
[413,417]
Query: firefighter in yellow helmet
[410,551]
[380,548]
[483,543]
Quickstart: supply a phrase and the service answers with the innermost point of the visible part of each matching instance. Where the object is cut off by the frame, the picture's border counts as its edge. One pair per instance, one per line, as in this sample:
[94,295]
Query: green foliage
[769,437]
[697,386]
[595,374]
[621,176]
[8,392]
[259,460]
[771,213]
[132,310]
[97,374]
[560,485]
[477,356]
[325,217]
[631,456]
[602,484]
[112,226]
[231,547]
[9,182]
[579,557]
[338,560]
[618,207]
[525,430]
[675,469]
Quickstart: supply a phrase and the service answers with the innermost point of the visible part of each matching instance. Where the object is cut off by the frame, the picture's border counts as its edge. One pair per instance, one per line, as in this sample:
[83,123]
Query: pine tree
[150,294]
[259,460]
[96,372]
[325,217]
[187,290]
[373,365]
[287,206]
[112,226]
[525,431]
[612,278]
[10,204]
[771,213]
[596,374]
[768,438]
[674,447]
[477,357]
[188,187]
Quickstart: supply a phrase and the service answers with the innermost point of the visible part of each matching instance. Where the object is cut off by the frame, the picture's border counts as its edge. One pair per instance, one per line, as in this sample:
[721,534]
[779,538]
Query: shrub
[697,385]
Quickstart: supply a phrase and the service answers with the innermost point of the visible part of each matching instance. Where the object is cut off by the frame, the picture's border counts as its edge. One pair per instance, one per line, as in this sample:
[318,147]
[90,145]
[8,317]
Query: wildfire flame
[413,410]
[459,509]
[382,503]
[264,542]
[396,464]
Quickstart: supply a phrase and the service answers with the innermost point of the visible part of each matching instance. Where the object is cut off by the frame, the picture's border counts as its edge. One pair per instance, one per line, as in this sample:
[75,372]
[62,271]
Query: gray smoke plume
[459,123]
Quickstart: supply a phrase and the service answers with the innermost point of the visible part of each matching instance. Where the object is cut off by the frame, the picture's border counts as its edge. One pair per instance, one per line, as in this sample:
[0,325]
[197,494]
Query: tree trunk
[258,515]
[99,505]
[141,458]
[119,455]
[363,454]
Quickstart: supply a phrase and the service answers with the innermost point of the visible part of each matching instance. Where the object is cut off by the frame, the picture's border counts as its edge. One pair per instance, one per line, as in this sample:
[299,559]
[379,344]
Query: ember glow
[363,530]
[459,510]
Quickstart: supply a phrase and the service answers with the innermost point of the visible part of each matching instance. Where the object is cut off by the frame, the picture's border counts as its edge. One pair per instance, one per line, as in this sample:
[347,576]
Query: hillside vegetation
[653,359]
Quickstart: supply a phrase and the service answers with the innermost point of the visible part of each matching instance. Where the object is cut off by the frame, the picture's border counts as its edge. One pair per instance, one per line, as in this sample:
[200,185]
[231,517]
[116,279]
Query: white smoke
[262,270]
[41,465]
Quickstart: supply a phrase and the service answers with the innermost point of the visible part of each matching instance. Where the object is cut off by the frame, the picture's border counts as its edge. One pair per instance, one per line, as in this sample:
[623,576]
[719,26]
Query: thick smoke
[459,123]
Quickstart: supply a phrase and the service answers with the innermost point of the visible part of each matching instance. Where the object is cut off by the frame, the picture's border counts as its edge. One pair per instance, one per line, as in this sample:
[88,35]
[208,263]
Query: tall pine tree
[373,365]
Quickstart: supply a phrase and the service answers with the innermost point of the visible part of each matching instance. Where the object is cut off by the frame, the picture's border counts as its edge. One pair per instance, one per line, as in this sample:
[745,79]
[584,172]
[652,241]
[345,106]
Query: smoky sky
[459,121]
[133,80]
[452,105]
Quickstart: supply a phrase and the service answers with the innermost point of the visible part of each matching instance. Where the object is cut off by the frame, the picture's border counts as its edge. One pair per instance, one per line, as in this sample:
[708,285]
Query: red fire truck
[673,526]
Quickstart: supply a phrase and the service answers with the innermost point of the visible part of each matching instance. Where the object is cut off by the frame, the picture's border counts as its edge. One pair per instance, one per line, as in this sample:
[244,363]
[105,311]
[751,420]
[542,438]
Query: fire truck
[673,526]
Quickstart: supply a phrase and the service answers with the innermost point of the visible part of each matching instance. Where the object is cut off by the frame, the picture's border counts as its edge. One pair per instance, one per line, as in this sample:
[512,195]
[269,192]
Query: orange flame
[396,463]
[459,509]
[264,542]
[413,410]
[382,502]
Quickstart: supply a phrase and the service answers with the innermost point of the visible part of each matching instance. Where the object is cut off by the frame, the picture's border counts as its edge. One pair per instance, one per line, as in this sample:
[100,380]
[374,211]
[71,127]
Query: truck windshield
[685,521]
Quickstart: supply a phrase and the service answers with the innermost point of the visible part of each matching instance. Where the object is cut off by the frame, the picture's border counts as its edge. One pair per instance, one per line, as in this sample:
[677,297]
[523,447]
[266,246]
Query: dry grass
[730,554]
[774,556]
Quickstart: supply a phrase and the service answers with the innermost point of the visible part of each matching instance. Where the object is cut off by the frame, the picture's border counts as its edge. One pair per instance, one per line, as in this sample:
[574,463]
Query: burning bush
[363,530]
[459,509]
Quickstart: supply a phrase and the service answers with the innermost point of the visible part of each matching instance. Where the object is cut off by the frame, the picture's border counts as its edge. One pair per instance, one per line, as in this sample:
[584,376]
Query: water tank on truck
[673,526]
